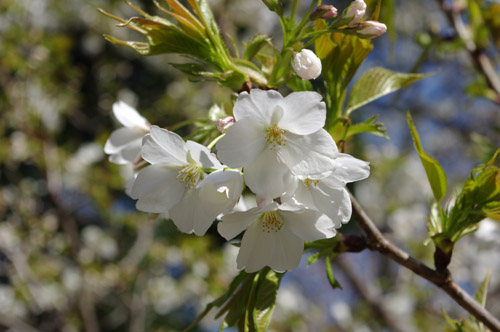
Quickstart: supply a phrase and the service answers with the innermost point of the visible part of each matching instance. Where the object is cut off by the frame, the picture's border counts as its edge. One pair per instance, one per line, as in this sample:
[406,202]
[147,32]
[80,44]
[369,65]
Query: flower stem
[212,144]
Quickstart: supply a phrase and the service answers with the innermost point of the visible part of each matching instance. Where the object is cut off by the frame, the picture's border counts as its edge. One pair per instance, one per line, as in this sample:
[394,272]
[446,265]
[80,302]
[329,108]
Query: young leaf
[482,292]
[329,273]
[265,299]
[368,126]
[275,6]
[240,278]
[434,171]
[255,45]
[377,83]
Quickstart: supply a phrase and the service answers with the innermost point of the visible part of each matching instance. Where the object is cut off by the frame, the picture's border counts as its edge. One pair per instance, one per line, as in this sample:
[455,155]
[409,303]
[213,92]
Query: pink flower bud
[324,12]
[306,64]
[355,12]
[371,29]
[223,124]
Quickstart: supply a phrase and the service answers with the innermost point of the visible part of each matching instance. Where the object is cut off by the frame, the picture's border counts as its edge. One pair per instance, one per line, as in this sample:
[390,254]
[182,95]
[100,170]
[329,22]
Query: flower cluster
[274,145]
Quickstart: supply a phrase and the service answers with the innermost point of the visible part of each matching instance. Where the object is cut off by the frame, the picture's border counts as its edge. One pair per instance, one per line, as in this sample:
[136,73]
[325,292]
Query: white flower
[274,235]
[176,182]
[306,64]
[275,136]
[355,12]
[371,29]
[124,144]
[328,194]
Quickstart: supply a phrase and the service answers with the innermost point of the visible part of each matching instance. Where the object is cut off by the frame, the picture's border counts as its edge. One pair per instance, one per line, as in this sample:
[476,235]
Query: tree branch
[477,54]
[377,242]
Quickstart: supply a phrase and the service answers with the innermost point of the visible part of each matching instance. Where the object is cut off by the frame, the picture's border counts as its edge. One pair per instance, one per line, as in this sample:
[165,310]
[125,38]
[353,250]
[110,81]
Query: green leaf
[482,292]
[329,273]
[251,70]
[298,84]
[265,299]
[255,45]
[434,171]
[195,71]
[275,6]
[222,299]
[368,126]
[377,83]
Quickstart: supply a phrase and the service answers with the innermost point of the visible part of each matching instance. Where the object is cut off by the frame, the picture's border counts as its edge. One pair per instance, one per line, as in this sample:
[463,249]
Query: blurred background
[75,255]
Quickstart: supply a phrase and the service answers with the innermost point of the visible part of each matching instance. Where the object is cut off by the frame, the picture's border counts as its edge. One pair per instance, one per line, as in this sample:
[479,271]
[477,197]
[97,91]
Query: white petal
[202,155]
[332,182]
[329,203]
[121,137]
[129,117]
[305,113]
[130,185]
[279,250]
[301,196]
[257,105]
[157,189]
[309,225]
[243,142]
[268,177]
[256,249]
[129,154]
[234,223]
[164,147]
[350,169]
[227,182]
[189,215]
[345,207]
[310,154]
[288,250]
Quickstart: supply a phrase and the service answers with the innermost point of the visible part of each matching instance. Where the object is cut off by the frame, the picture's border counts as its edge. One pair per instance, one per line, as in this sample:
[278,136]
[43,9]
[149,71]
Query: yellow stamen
[271,222]
[275,136]
[189,175]
[308,182]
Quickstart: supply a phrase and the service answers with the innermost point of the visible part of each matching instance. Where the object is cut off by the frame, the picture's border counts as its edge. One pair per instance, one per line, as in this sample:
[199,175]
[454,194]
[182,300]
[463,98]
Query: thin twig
[477,54]
[376,241]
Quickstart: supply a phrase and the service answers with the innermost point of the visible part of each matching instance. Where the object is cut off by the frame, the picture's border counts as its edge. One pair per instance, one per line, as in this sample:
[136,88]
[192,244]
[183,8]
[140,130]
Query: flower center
[189,175]
[308,183]
[271,222]
[275,136]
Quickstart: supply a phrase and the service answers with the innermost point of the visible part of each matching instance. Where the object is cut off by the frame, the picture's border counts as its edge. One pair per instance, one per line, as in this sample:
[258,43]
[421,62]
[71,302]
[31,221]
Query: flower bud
[371,29]
[355,12]
[306,64]
[323,11]
[223,124]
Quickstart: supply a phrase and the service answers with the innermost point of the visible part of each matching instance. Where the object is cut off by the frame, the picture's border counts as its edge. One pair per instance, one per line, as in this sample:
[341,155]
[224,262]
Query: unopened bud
[224,123]
[371,29]
[306,64]
[324,12]
[355,12]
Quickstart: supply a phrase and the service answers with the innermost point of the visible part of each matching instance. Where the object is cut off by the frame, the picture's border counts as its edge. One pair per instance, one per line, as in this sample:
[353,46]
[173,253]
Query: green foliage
[341,55]
[248,303]
[327,249]
[376,83]
[255,45]
[370,125]
[434,171]
[195,37]
[275,6]
[478,199]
